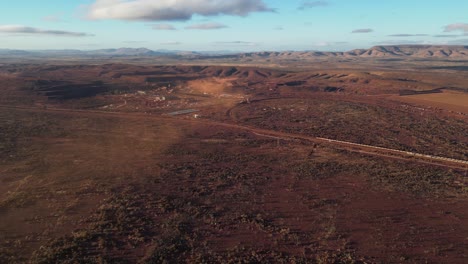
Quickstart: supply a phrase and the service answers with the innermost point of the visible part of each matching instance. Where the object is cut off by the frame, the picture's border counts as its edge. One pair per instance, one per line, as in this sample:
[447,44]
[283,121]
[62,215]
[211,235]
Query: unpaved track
[350,146]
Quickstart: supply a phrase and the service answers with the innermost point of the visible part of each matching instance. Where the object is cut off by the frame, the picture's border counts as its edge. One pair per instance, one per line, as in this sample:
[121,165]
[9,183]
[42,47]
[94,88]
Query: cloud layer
[170,10]
[363,30]
[457,27]
[207,26]
[163,27]
[19,29]
[446,36]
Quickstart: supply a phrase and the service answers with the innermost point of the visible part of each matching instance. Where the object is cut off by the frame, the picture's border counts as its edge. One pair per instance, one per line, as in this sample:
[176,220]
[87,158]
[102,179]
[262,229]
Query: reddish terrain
[144,164]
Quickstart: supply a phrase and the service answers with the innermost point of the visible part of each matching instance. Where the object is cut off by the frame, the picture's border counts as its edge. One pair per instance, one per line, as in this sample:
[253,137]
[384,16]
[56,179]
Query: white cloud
[207,26]
[163,27]
[19,29]
[363,30]
[169,10]
[457,27]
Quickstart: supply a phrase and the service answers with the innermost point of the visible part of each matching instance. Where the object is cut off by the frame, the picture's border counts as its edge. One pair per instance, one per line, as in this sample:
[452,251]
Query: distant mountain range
[396,51]
[121,52]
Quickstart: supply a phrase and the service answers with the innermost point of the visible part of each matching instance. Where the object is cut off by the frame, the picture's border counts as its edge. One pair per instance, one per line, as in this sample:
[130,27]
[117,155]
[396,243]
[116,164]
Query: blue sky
[239,25]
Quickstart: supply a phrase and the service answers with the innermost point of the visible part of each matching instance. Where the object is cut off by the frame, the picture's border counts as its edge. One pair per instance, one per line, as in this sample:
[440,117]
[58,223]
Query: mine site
[322,155]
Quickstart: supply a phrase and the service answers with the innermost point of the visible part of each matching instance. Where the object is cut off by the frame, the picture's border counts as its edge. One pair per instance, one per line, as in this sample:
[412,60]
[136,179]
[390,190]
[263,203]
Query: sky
[234,25]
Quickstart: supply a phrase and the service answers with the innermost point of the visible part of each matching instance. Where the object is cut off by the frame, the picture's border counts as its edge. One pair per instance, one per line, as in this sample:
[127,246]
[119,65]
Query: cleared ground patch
[453,101]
